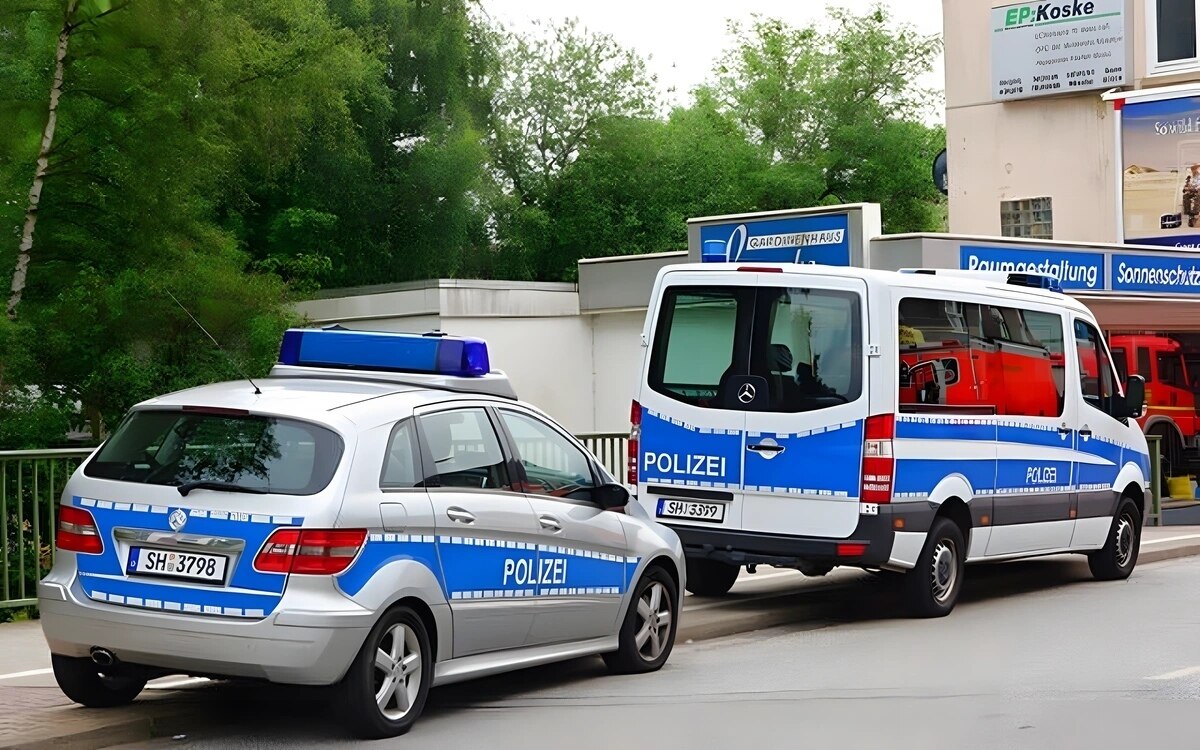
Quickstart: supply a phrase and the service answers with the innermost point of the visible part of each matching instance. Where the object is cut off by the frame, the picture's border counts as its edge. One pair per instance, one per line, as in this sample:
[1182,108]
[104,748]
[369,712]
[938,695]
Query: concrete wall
[617,361]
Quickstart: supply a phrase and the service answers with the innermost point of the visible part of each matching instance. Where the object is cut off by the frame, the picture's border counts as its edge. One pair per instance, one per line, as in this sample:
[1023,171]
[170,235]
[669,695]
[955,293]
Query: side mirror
[610,496]
[1135,396]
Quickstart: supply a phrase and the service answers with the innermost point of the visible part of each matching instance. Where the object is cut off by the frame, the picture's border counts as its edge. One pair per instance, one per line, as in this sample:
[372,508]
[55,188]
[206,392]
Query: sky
[682,40]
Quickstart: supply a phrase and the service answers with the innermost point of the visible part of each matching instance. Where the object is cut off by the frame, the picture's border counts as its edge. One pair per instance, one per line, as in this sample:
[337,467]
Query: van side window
[963,357]
[1121,363]
[1095,368]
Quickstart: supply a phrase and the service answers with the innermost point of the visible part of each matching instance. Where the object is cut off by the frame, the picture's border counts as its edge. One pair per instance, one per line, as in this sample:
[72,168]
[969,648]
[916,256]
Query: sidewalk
[36,715]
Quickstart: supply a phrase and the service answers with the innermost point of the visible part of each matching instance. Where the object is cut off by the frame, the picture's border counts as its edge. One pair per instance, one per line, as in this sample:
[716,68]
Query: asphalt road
[1036,656]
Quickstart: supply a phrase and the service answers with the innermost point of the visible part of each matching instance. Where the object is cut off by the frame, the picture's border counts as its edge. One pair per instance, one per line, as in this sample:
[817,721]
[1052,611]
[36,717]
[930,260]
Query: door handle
[767,448]
[459,515]
[1086,431]
[550,523]
[1064,430]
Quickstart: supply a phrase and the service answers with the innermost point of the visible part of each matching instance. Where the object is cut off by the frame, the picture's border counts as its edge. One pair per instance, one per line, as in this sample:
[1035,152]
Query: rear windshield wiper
[187,487]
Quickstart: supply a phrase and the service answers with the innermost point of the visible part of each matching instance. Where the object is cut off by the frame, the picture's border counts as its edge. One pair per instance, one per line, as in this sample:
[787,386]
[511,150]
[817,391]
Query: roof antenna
[217,344]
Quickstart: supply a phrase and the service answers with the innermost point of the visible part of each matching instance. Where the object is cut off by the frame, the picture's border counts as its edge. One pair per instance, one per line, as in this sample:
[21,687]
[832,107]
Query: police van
[381,514]
[910,422]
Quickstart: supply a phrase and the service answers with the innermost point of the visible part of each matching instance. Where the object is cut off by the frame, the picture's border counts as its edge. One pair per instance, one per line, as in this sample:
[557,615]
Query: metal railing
[610,448]
[30,484]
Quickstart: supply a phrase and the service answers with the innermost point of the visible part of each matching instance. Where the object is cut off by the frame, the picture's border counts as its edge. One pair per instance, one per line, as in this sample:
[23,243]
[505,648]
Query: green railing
[30,485]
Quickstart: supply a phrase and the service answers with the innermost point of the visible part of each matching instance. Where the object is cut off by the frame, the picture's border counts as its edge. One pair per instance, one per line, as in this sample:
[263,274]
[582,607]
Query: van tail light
[635,439]
[309,551]
[878,464]
[77,531]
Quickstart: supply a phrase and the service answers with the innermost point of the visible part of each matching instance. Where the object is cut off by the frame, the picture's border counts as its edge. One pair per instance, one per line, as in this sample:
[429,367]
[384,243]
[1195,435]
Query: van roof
[956,281]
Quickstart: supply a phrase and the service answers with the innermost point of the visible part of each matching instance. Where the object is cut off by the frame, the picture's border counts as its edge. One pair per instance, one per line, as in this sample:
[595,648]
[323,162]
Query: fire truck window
[1034,366]
[1170,370]
[1144,364]
[1095,369]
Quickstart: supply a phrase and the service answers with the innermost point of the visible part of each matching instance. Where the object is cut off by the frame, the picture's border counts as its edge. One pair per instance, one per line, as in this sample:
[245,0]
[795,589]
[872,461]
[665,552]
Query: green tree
[842,100]
[556,89]
[169,112]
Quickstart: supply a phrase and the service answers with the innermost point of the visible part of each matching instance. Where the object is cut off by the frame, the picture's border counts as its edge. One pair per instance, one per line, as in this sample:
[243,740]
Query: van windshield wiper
[206,484]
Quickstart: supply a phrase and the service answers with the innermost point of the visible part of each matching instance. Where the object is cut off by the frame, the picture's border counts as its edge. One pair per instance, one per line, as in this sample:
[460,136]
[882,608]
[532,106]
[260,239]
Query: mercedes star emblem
[746,393]
[177,519]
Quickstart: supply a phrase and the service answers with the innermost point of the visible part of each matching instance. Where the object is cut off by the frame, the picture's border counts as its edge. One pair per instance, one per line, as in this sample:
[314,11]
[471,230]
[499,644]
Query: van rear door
[804,444]
[753,413]
[689,462]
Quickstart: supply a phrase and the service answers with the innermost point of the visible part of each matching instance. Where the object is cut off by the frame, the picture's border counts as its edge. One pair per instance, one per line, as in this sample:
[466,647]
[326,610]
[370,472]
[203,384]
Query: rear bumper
[876,533]
[312,649]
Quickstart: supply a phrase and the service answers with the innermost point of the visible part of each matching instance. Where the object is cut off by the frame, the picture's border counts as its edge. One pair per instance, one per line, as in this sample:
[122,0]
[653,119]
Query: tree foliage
[235,155]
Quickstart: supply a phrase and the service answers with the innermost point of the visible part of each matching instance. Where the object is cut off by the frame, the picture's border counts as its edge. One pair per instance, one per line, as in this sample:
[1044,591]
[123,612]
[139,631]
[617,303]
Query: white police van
[380,514]
[807,416]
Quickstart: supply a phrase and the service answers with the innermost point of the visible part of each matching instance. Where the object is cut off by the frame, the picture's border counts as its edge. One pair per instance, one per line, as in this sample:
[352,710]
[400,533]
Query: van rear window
[804,343]
[249,453]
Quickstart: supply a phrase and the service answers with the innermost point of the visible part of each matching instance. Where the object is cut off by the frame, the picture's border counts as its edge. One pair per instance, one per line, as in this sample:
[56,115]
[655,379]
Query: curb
[165,718]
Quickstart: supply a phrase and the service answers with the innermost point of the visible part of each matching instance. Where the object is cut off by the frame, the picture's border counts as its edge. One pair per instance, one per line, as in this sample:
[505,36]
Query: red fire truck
[1170,399]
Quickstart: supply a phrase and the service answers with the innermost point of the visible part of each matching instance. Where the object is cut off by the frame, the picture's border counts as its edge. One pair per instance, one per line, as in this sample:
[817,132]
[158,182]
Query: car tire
[647,633]
[710,577]
[931,588]
[81,680]
[385,689]
[1117,558]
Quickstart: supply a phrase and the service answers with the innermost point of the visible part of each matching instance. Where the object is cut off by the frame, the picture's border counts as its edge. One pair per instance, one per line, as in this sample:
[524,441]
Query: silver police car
[380,514]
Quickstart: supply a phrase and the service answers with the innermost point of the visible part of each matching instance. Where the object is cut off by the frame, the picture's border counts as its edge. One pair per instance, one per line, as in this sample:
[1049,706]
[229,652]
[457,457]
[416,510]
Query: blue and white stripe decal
[474,568]
[675,452]
[248,593]
[824,462]
[1004,457]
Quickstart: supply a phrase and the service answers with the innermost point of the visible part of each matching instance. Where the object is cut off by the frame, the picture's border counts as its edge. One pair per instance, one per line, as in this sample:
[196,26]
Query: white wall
[548,361]
[617,358]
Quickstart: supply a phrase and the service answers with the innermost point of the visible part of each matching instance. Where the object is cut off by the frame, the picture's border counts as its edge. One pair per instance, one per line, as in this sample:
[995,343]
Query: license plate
[171,564]
[714,512]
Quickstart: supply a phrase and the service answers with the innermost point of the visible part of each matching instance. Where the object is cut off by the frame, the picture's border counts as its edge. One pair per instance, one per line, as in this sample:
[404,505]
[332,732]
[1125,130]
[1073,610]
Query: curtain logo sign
[803,239]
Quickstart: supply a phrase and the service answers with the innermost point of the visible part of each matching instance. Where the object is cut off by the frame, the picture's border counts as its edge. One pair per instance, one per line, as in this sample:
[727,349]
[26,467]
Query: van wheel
[385,689]
[710,577]
[81,681]
[1115,560]
[648,630]
[931,588]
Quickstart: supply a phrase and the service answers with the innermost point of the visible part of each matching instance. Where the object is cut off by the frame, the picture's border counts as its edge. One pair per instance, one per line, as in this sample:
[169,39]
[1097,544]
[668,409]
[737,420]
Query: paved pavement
[37,715]
[1035,658]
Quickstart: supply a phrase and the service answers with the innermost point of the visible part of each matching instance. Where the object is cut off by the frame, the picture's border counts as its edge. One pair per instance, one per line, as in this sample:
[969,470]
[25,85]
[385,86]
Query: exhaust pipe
[103,658]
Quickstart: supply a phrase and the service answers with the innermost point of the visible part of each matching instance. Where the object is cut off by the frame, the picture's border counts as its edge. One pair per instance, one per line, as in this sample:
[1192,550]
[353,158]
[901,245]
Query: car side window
[402,462]
[465,449]
[553,465]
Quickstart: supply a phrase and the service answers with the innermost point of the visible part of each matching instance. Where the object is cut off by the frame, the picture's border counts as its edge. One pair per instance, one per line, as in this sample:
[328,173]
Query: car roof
[314,397]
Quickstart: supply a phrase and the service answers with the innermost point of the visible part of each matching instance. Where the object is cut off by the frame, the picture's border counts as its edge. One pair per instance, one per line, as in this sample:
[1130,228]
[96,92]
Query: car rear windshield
[251,453]
[804,343]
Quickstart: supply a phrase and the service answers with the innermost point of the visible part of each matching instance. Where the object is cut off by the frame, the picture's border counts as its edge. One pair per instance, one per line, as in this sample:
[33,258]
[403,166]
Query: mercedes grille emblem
[177,519]
[746,393]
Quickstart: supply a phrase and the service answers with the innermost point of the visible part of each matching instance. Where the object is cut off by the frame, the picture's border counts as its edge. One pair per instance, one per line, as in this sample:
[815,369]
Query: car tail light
[878,463]
[77,531]
[635,439]
[309,551]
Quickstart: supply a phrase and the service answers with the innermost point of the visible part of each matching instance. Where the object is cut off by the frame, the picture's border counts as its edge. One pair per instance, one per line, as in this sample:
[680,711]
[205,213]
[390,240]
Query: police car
[381,514]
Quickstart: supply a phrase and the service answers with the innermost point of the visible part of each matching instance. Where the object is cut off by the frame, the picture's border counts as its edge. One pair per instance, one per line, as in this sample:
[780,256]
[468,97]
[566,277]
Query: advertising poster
[821,239]
[1160,143]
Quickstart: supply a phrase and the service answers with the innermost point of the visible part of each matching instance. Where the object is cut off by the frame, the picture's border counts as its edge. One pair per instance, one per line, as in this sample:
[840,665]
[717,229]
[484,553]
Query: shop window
[1171,35]
[964,357]
[1027,217]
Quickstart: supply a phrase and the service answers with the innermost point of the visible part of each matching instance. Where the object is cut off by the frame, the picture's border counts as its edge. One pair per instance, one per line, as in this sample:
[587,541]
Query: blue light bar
[1035,281]
[393,352]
